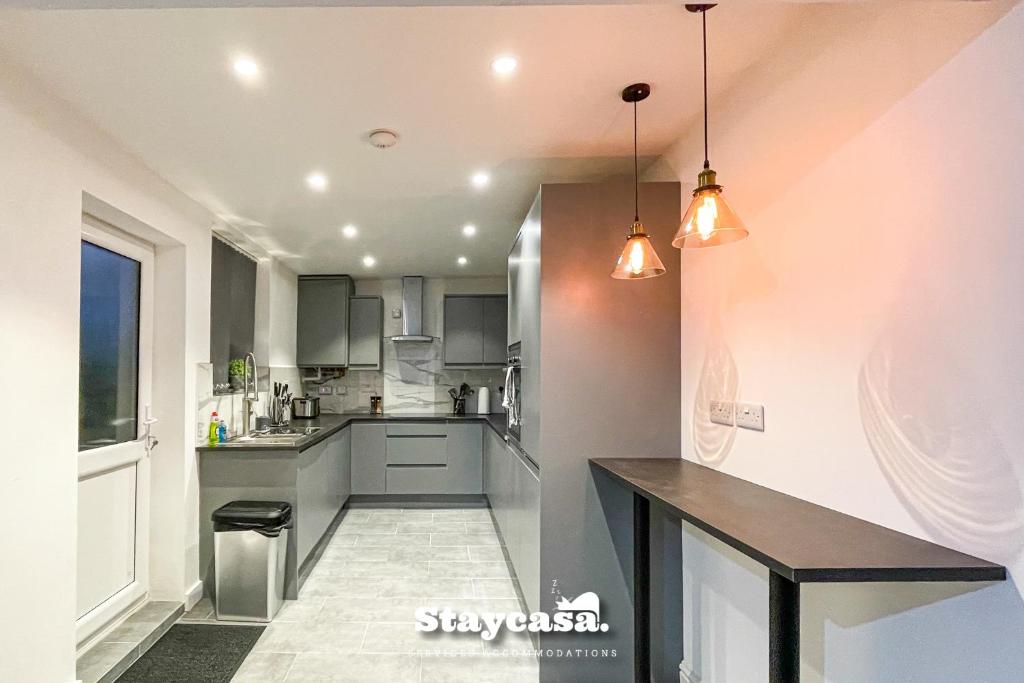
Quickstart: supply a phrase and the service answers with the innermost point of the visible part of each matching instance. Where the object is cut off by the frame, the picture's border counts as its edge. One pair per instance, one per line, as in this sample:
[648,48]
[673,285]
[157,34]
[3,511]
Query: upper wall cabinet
[322,326]
[365,332]
[232,308]
[475,330]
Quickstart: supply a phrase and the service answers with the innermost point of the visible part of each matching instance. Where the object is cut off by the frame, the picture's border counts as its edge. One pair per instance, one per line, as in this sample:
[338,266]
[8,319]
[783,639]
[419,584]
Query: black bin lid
[253,513]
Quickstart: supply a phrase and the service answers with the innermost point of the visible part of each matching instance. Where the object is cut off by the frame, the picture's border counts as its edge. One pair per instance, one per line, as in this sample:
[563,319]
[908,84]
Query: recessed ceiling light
[317,181]
[480,179]
[462,260]
[369,261]
[468,229]
[504,65]
[246,69]
[350,231]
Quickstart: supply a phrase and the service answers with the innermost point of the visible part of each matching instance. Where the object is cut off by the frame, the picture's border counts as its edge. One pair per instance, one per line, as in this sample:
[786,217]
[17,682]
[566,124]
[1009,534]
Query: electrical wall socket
[750,416]
[722,412]
[325,390]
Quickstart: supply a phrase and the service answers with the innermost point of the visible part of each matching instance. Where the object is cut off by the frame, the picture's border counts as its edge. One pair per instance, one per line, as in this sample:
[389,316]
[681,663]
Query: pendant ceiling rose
[638,260]
[638,92]
[709,221]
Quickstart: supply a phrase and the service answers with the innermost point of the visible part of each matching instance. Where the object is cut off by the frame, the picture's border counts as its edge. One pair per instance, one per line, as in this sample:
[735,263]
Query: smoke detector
[382,138]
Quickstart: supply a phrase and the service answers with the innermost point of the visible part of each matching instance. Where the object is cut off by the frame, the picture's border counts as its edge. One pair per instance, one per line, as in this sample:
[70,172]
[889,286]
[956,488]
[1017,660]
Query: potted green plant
[236,374]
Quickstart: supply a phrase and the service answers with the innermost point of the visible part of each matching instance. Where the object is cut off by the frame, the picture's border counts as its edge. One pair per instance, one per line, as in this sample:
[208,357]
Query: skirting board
[193,595]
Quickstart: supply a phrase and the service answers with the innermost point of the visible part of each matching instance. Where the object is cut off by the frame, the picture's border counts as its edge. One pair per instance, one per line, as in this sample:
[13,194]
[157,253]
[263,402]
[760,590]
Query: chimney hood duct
[412,312]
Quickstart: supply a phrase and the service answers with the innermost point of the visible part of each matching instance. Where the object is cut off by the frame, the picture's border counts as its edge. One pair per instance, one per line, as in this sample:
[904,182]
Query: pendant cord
[704,28]
[636,174]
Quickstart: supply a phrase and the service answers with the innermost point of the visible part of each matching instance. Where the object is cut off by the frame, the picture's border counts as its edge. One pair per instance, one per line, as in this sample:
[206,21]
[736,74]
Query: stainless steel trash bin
[250,542]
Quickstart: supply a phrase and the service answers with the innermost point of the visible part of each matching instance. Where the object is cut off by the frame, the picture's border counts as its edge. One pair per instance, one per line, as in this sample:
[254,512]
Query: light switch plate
[396,313]
[325,390]
[721,412]
[750,416]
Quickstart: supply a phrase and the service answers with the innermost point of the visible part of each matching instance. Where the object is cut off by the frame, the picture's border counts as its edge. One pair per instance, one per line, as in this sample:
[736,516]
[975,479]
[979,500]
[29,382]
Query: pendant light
[638,259]
[709,221]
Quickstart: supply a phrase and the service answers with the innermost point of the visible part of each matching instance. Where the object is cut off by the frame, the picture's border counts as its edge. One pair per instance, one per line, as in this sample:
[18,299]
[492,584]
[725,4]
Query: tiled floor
[112,656]
[354,620]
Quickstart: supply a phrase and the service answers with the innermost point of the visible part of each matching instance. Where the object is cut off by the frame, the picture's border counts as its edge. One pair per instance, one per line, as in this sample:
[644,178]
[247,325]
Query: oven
[513,393]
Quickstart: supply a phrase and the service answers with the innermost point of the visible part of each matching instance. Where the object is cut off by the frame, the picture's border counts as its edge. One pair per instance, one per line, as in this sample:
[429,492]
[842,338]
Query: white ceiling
[160,82]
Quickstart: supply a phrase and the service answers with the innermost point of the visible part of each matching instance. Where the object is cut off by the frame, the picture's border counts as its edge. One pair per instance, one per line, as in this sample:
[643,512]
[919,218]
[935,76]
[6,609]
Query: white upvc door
[115,378]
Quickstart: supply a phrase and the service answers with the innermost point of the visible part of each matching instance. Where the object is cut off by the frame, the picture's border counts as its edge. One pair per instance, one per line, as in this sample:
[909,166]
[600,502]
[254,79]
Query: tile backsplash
[413,381]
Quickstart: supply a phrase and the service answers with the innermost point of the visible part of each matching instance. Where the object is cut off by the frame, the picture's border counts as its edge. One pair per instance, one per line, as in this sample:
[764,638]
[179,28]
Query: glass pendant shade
[709,221]
[638,259]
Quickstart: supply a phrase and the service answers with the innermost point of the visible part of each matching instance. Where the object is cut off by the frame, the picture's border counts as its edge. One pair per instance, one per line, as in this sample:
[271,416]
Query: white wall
[50,157]
[283,309]
[876,312]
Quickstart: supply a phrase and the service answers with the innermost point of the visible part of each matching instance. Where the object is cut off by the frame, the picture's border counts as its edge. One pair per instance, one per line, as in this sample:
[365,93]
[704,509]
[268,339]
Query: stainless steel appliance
[512,402]
[306,406]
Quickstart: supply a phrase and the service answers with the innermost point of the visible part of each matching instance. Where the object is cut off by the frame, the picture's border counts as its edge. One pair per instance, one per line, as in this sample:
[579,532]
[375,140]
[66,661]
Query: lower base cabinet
[513,490]
[409,458]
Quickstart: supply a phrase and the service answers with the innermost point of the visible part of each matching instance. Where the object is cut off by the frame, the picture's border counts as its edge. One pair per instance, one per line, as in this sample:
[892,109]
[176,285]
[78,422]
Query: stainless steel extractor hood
[412,312]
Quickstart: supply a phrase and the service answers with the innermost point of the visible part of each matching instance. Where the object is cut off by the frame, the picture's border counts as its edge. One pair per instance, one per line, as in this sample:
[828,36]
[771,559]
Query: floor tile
[371,540]
[264,667]
[355,617]
[382,569]
[428,588]
[483,553]
[463,514]
[315,636]
[494,588]
[480,669]
[354,668]
[366,528]
[469,570]
[450,553]
[431,527]
[464,539]
[402,516]
[371,609]
[300,610]
[404,638]
[201,610]
[326,586]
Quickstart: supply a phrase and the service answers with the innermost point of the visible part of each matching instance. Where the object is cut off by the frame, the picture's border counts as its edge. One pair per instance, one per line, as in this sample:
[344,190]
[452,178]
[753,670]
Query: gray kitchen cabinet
[322,487]
[426,458]
[463,330]
[369,458]
[322,325]
[417,450]
[495,330]
[365,332]
[475,330]
[513,490]
[465,458]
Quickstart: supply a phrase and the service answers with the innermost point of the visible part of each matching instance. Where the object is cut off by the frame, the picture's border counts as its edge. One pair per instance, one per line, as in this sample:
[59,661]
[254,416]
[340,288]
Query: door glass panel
[108,377]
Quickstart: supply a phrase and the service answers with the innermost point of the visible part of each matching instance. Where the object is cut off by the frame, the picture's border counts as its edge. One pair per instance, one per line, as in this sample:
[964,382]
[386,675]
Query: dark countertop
[801,541]
[332,423]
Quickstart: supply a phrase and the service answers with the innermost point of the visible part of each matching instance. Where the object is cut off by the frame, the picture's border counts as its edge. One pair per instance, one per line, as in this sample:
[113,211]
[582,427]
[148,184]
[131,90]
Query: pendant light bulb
[709,221]
[638,259]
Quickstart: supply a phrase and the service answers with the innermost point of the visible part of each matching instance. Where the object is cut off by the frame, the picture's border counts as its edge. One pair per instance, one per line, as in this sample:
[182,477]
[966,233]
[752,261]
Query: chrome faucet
[251,393]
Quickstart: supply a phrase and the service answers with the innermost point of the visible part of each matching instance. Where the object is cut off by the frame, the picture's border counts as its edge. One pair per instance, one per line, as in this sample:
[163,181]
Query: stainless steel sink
[275,437]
